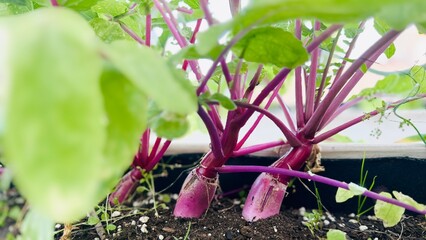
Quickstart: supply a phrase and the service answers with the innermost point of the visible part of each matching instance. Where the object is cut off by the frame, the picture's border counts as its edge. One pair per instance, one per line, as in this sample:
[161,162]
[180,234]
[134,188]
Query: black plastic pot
[403,174]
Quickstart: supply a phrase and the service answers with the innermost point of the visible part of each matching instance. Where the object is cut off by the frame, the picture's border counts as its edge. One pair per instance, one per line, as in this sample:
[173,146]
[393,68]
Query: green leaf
[15,7]
[356,189]
[126,109]
[332,11]
[342,195]
[110,7]
[224,101]
[55,131]
[412,138]
[93,220]
[390,214]
[151,74]
[79,5]
[194,4]
[108,31]
[409,200]
[411,82]
[390,51]
[110,227]
[167,124]
[335,234]
[271,45]
[36,226]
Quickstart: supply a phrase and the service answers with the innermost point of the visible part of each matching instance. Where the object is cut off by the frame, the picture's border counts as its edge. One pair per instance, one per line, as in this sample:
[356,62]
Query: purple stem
[286,112]
[285,71]
[145,146]
[216,144]
[339,110]
[361,118]
[257,121]
[311,81]
[154,149]
[158,157]
[148,25]
[54,3]
[185,10]
[348,52]
[209,18]
[300,117]
[234,6]
[236,85]
[131,33]
[316,178]
[350,85]
[253,82]
[331,99]
[207,15]
[325,72]
[257,148]
[291,137]
[210,72]
[172,24]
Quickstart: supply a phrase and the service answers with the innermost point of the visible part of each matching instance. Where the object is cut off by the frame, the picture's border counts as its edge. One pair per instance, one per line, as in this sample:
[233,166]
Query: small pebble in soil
[352,215]
[326,222]
[341,225]
[373,218]
[353,221]
[115,214]
[329,216]
[58,226]
[209,234]
[133,223]
[168,229]
[161,237]
[137,203]
[275,229]
[144,219]
[363,228]
[144,228]
[302,211]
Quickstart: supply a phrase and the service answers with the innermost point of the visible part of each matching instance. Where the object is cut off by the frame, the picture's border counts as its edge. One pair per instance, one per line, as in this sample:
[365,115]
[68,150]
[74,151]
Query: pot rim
[328,150]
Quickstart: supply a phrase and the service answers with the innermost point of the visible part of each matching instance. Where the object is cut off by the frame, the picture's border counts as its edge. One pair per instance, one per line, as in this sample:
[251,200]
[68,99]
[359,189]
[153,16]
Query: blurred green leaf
[414,138]
[107,30]
[336,234]
[55,131]
[167,124]
[401,84]
[269,45]
[152,76]
[126,109]
[36,226]
[333,11]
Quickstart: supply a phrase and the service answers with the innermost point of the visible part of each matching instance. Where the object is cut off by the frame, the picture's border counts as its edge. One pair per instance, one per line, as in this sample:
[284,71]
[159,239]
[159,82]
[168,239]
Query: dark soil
[223,220]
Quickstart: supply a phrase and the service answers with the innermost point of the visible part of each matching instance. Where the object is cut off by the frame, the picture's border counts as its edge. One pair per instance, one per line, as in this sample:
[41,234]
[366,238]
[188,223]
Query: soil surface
[137,219]
[223,221]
